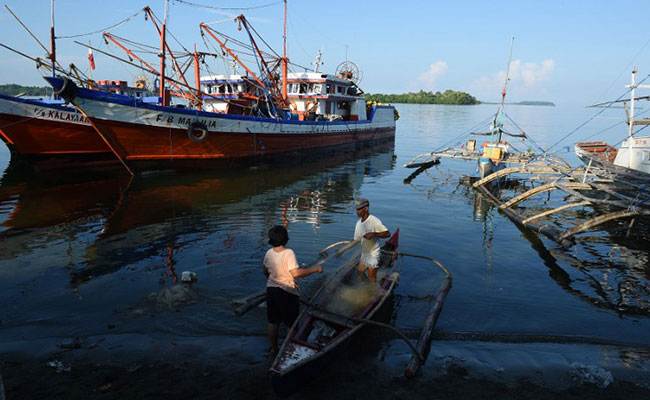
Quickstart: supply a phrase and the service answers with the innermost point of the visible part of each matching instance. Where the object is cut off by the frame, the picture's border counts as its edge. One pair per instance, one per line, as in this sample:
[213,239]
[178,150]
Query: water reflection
[115,223]
[609,270]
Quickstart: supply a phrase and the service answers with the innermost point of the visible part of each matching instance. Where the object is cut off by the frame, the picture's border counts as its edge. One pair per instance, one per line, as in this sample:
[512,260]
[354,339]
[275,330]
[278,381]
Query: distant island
[13,90]
[526,103]
[422,97]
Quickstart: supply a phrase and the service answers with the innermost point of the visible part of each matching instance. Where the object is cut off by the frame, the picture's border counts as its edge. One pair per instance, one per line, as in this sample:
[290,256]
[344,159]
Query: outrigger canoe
[338,310]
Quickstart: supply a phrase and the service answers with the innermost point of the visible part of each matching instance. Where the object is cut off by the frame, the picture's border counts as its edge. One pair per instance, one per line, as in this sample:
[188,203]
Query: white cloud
[428,79]
[524,76]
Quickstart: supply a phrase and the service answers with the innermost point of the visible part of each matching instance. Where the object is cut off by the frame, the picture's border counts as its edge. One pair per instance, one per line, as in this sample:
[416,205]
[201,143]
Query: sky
[568,52]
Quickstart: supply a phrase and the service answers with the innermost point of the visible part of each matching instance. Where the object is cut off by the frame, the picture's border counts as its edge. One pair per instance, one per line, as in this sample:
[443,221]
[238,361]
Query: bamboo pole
[527,169]
[101,135]
[541,189]
[601,219]
[517,218]
[251,303]
[424,343]
[553,211]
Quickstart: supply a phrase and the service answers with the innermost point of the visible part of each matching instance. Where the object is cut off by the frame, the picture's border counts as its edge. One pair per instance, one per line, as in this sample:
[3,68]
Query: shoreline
[158,379]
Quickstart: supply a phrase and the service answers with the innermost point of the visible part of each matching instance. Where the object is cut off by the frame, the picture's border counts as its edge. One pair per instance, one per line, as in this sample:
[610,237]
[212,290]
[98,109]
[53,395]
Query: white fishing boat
[631,160]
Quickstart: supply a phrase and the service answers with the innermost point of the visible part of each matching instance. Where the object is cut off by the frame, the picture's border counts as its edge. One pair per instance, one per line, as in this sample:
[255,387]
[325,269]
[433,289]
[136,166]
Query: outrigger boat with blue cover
[492,155]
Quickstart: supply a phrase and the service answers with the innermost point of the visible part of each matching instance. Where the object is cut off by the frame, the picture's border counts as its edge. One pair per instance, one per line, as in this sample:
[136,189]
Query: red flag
[91,59]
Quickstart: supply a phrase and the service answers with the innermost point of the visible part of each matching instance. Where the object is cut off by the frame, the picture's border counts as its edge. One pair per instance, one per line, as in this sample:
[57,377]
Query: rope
[624,69]
[191,4]
[102,30]
[593,117]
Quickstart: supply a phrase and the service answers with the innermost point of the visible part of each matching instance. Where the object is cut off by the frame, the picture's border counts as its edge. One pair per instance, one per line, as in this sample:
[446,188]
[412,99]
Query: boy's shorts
[281,306]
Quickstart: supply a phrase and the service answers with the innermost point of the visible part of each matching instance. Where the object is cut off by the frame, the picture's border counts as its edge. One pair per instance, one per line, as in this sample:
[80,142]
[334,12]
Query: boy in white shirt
[369,230]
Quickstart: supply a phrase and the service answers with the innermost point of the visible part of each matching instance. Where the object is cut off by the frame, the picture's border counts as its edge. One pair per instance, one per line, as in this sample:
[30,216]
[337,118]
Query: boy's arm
[302,272]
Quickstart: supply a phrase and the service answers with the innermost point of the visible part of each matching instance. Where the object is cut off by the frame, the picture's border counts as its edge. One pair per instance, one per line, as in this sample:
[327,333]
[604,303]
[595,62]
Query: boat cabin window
[317,88]
[340,89]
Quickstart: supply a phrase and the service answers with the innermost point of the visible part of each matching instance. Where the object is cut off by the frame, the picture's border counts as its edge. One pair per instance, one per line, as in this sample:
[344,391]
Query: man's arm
[381,235]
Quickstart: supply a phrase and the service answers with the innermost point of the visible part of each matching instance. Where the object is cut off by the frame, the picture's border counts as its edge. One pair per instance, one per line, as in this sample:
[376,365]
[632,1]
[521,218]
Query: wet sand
[206,372]
[156,380]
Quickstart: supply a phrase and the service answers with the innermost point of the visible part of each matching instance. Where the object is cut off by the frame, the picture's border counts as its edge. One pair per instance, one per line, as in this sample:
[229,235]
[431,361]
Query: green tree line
[12,90]
[422,97]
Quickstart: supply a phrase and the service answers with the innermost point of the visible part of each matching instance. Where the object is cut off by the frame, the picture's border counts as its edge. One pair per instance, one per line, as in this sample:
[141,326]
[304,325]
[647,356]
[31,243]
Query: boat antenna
[318,61]
[285,60]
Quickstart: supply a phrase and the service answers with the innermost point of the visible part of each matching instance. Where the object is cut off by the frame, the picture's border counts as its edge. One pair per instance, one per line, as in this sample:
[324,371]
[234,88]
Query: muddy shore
[155,379]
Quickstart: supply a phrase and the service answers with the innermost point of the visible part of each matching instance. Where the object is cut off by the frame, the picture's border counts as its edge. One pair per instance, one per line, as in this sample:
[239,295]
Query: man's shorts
[370,260]
[281,306]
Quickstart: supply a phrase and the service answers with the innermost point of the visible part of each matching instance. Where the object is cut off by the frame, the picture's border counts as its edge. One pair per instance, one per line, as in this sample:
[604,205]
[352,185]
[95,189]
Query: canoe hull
[320,335]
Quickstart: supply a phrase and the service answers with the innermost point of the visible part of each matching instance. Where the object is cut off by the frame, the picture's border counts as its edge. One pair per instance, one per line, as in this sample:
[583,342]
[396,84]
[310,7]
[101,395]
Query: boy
[282,291]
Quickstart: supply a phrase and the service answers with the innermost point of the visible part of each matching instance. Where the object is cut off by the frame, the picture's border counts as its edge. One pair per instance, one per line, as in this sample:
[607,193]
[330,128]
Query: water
[100,260]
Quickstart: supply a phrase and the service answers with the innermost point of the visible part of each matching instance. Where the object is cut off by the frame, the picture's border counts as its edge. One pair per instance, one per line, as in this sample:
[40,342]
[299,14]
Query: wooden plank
[553,211]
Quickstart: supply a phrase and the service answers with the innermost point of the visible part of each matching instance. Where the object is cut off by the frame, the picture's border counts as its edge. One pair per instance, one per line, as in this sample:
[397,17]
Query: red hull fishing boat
[49,134]
[150,133]
[232,119]
[41,132]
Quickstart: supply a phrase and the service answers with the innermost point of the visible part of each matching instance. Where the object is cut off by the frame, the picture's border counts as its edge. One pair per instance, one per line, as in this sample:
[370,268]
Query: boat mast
[633,87]
[284,57]
[52,46]
[162,92]
[197,78]
[498,125]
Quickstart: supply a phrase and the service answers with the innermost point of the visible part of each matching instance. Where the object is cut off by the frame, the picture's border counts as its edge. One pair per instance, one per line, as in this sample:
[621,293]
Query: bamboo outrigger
[589,187]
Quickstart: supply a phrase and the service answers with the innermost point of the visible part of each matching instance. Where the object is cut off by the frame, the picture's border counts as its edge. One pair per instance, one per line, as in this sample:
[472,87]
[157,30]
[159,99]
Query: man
[369,230]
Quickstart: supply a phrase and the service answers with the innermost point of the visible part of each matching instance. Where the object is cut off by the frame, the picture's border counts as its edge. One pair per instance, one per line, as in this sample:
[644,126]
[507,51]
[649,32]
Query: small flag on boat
[91,59]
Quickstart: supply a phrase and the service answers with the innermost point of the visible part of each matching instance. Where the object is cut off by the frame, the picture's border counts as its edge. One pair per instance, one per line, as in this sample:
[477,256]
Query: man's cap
[361,202]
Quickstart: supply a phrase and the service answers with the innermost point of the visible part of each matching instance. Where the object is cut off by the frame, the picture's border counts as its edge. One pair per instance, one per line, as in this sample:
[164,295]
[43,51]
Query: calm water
[100,260]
